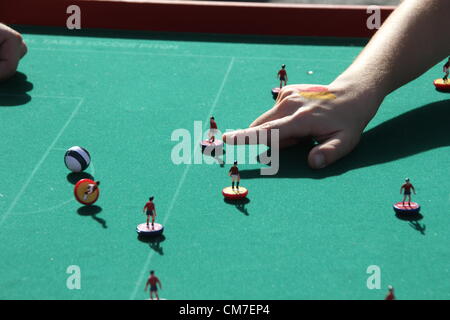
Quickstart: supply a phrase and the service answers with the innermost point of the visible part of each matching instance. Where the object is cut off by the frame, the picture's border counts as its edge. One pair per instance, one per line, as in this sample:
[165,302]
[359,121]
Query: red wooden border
[190,16]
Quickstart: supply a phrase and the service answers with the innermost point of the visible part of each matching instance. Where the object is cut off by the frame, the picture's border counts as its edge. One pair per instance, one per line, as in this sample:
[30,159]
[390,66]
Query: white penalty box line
[44,156]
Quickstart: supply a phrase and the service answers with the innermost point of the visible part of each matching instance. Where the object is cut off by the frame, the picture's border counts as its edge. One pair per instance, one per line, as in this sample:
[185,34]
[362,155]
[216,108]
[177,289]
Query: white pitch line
[144,53]
[38,165]
[62,204]
[180,184]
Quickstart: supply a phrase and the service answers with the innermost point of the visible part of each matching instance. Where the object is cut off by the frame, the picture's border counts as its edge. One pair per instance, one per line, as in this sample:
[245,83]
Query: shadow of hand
[13,92]
[414,132]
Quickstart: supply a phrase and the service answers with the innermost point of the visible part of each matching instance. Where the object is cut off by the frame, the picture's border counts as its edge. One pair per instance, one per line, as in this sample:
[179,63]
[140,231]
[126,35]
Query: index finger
[281,129]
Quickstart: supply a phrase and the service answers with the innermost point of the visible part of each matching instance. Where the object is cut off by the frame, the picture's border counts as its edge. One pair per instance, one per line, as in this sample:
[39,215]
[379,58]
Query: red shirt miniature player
[150,210]
[234,174]
[153,281]
[446,70]
[91,189]
[282,75]
[390,295]
[212,130]
[407,186]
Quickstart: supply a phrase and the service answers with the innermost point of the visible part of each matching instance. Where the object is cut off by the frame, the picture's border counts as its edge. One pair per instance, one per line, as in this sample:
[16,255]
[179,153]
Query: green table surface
[303,234]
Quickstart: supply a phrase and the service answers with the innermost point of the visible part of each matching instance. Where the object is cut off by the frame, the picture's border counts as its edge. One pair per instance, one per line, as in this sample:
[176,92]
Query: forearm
[413,39]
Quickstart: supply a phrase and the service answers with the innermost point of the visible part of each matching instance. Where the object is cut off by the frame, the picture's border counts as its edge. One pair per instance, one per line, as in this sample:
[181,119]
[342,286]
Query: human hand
[335,117]
[12,49]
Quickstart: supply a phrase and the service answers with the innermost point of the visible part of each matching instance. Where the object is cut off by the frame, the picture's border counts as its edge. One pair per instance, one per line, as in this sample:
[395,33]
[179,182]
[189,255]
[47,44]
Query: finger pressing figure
[333,118]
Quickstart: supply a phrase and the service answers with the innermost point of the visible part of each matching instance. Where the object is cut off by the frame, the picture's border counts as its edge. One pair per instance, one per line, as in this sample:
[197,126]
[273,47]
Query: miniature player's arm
[146,285]
[12,49]
[401,188]
[393,57]
[159,282]
[414,190]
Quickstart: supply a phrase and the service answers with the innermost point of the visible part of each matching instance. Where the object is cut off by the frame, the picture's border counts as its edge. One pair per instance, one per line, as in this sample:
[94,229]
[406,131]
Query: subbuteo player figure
[212,130]
[390,295]
[150,210]
[407,187]
[234,174]
[282,75]
[446,70]
[153,281]
[90,189]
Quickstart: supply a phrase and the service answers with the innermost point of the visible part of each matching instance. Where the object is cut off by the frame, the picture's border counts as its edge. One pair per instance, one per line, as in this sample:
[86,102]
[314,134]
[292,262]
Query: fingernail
[319,160]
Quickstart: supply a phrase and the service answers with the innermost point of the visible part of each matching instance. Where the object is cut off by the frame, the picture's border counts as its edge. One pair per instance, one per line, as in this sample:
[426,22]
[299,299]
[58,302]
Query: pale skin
[394,56]
[12,49]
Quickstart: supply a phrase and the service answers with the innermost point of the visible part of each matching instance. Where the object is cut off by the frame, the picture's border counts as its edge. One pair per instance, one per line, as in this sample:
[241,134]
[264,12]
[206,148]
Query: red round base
[235,193]
[405,207]
[442,85]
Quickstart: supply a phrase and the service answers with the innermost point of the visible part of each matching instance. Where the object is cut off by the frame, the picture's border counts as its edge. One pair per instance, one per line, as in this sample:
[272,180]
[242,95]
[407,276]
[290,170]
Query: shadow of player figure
[239,204]
[154,243]
[413,221]
[218,156]
[92,211]
[13,91]
[220,161]
[416,225]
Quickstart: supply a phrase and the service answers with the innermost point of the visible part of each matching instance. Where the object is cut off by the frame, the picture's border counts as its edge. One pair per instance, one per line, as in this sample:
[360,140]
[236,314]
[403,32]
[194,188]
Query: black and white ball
[77,159]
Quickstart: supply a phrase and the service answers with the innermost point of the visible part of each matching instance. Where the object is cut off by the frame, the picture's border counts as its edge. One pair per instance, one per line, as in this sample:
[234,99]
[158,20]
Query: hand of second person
[334,115]
[12,49]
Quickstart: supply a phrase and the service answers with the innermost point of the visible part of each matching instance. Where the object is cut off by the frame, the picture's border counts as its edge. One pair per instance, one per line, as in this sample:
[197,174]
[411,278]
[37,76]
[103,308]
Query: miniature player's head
[97,183]
[151,198]
[235,163]
[152,272]
[212,118]
[391,288]
[283,66]
[407,180]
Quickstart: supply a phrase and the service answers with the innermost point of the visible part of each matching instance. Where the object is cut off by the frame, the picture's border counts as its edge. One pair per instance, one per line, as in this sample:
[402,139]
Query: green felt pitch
[302,234]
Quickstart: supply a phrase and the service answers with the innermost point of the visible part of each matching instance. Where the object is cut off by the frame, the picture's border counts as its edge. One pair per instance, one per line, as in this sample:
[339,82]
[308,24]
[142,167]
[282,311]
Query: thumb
[331,150]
